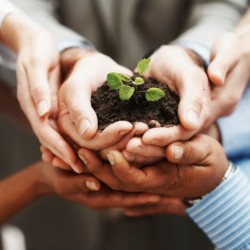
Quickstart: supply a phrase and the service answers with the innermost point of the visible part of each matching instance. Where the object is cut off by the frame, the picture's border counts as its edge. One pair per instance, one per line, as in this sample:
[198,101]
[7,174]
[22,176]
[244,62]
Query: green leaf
[143,65]
[114,81]
[124,78]
[138,81]
[154,94]
[126,92]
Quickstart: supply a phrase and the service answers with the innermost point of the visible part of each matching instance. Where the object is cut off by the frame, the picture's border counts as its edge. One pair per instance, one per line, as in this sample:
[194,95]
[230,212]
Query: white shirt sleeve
[6,7]
[7,57]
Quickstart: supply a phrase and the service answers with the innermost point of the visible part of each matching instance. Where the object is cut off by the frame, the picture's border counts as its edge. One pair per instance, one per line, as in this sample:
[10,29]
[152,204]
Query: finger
[47,156]
[189,152]
[55,81]
[170,206]
[228,96]
[97,168]
[133,178]
[58,146]
[37,76]
[163,136]
[117,199]
[102,139]
[59,163]
[140,160]
[111,134]
[78,101]
[191,91]
[138,129]
[223,58]
[80,183]
[136,146]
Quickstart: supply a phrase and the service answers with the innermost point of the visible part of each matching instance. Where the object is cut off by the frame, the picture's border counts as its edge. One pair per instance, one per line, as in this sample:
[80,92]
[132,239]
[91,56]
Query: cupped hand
[85,71]
[182,71]
[38,76]
[87,190]
[229,70]
[192,169]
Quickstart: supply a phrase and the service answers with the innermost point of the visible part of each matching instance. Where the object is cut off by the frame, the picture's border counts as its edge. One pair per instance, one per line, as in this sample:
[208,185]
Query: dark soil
[109,108]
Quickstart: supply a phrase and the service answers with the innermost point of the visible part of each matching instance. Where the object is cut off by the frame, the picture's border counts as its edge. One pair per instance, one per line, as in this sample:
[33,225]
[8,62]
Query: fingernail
[83,127]
[91,186]
[178,152]
[83,159]
[42,108]
[193,118]
[111,158]
[77,169]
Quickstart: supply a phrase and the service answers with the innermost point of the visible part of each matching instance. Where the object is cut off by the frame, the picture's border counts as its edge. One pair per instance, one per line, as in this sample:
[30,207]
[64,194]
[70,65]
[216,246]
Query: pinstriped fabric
[224,214]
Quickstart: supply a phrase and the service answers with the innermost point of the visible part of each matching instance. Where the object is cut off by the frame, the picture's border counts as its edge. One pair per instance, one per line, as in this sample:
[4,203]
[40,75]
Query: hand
[182,71]
[85,71]
[38,76]
[87,190]
[166,205]
[229,70]
[192,169]
[137,152]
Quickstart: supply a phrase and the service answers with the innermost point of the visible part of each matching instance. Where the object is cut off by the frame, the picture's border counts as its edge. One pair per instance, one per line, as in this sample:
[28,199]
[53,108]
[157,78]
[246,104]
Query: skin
[190,169]
[41,179]
[74,97]
[38,75]
[230,67]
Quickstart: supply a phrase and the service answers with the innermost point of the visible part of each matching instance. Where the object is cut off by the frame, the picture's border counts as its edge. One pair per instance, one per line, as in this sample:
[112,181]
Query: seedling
[117,81]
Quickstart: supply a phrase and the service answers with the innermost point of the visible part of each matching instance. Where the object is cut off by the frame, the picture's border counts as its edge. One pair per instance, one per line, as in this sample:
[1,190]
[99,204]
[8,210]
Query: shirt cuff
[199,49]
[67,44]
[224,213]
[6,8]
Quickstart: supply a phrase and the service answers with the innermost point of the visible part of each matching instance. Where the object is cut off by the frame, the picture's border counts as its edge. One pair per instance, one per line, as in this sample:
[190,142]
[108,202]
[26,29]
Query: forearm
[16,30]
[223,214]
[210,19]
[43,13]
[245,20]
[19,190]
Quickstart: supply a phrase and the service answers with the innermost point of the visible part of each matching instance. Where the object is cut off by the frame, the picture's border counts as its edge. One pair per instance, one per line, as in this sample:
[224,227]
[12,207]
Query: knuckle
[36,61]
[37,92]
[76,111]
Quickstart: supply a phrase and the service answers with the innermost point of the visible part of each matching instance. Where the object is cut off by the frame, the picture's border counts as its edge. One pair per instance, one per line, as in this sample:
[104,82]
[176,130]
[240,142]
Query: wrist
[40,181]
[195,57]
[71,56]
[17,31]
[228,174]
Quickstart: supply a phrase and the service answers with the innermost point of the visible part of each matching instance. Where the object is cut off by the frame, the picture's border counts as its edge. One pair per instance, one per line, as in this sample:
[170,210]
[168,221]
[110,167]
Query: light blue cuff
[224,214]
[66,44]
[199,49]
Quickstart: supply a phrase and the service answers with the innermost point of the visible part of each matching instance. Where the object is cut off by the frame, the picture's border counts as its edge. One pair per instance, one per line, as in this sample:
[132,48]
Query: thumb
[223,59]
[39,89]
[189,152]
[81,112]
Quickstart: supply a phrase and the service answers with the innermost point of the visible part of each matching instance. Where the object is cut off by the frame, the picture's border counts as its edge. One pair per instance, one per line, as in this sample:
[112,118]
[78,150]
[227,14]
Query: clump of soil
[109,108]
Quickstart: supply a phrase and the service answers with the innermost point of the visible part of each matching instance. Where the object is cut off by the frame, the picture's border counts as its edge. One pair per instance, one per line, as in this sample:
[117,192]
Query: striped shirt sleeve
[224,214]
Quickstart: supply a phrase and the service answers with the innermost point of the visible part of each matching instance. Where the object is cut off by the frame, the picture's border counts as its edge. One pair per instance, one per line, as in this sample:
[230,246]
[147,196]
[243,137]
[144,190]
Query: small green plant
[116,81]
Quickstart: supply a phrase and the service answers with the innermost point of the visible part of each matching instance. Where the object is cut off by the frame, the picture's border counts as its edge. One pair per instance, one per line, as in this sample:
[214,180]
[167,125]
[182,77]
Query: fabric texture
[224,213]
